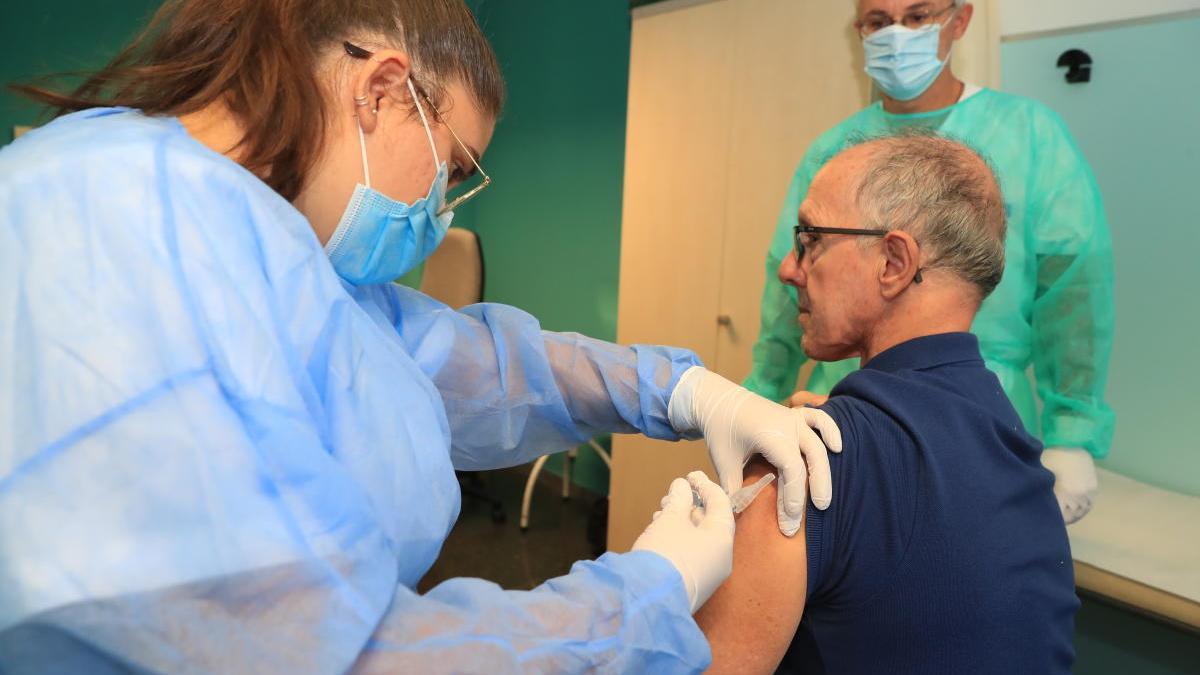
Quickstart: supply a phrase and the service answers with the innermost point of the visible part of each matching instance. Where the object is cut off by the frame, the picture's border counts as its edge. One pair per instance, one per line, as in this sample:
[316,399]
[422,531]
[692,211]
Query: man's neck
[950,314]
[943,93]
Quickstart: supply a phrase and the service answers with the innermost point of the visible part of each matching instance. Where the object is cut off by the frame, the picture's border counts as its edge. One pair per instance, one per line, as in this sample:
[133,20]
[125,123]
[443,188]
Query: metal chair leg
[600,451]
[568,460]
[528,497]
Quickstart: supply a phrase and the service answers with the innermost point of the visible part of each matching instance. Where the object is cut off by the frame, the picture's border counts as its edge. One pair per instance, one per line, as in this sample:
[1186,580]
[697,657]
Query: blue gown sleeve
[623,613]
[514,392]
[1073,319]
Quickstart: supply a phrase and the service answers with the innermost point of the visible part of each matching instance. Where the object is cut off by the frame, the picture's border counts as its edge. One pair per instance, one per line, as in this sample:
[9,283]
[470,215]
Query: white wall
[1018,17]
[976,56]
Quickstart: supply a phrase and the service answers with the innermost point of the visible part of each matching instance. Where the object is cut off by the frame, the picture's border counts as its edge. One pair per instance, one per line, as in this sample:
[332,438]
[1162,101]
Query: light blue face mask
[380,239]
[904,61]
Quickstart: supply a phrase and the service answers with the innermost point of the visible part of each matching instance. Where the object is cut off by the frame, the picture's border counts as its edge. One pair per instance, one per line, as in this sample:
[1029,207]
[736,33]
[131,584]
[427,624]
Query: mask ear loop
[428,133]
[942,27]
[362,146]
[359,102]
[362,139]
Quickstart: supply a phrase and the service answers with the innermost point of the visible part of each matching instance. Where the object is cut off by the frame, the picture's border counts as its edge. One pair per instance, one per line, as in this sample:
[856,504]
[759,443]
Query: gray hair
[945,195]
[957,3]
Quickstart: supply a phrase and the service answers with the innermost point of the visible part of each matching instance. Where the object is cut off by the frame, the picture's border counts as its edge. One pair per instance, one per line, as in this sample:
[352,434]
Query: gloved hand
[1074,480]
[697,540]
[738,424]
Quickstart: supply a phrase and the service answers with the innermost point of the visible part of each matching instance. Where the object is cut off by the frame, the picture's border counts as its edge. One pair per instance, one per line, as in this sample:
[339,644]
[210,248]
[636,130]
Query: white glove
[1074,480]
[697,540]
[738,424]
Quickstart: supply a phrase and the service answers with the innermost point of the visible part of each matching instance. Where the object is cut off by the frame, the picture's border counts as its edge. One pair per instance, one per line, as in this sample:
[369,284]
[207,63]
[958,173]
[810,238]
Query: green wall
[51,36]
[550,224]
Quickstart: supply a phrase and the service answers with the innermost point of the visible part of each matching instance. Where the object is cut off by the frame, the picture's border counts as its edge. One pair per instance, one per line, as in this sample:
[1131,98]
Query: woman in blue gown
[228,442]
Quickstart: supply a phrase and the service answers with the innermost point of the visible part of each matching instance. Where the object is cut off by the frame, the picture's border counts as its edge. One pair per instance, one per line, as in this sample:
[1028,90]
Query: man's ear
[901,263]
[380,86]
[961,20]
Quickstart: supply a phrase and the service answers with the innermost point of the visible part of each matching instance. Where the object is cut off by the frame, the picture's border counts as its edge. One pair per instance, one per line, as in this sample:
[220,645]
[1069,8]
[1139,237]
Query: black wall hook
[1078,64]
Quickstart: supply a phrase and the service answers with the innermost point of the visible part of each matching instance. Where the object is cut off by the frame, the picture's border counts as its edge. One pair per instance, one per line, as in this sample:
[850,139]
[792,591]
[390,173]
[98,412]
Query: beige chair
[454,273]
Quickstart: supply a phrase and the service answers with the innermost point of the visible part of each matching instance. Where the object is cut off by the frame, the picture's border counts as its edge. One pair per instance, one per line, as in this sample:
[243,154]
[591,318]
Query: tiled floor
[557,535]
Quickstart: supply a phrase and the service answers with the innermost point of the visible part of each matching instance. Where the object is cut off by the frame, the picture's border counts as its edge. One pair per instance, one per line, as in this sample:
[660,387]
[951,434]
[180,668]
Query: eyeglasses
[798,239]
[877,20]
[359,53]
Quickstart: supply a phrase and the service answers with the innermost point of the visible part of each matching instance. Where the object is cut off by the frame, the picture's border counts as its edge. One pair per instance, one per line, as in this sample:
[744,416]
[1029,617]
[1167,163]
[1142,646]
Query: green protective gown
[1053,309]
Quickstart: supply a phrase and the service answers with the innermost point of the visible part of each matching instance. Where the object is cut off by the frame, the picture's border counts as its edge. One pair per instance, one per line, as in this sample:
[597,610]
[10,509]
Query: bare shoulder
[751,619]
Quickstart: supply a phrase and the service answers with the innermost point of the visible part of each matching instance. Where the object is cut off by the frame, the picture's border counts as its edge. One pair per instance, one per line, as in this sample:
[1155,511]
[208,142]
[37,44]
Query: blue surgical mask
[904,61]
[380,239]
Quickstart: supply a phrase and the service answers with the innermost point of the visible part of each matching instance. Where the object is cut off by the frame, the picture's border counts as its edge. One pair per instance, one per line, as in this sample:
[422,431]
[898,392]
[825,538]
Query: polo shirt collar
[928,351]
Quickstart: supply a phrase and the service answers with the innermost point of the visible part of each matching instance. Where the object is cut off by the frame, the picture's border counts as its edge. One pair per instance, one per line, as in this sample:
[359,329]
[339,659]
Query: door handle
[726,321]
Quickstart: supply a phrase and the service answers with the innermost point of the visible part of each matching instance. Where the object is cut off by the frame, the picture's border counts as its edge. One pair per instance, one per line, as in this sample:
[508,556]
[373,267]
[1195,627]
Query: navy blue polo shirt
[943,550]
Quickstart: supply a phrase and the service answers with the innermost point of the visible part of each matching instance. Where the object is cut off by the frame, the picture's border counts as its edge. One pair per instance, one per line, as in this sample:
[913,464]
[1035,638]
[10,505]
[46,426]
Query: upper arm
[751,619]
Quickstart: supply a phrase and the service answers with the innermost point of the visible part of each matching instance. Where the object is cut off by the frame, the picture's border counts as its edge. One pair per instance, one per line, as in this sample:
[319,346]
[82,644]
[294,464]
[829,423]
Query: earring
[362,101]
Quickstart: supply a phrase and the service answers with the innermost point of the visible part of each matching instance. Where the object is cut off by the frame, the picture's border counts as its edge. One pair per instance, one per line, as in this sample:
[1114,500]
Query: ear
[901,262]
[962,19]
[382,79]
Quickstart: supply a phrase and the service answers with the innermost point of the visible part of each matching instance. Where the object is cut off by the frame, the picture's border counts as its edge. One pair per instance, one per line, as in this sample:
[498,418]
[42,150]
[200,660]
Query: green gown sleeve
[1073,302]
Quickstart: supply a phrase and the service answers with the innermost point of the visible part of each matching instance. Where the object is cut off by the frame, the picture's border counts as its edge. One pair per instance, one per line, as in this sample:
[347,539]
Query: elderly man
[943,549]
[1053,313]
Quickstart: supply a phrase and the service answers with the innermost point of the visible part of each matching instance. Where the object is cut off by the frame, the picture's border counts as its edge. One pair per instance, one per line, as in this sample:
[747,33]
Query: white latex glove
[737,424]
[1074,480]
[697,540]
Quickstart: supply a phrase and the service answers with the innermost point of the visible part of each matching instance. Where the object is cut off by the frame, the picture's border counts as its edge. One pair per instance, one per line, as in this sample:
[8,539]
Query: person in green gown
[1049,325]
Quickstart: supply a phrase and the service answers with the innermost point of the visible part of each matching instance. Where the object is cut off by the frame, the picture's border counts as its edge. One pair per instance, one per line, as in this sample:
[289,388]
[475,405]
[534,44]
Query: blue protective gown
[215,456]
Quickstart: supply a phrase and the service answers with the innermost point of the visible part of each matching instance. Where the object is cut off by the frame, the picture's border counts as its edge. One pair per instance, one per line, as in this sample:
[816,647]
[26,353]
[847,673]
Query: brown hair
[260,57]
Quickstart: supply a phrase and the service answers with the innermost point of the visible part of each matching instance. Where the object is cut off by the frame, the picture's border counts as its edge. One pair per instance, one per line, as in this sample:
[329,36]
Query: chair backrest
[454,273]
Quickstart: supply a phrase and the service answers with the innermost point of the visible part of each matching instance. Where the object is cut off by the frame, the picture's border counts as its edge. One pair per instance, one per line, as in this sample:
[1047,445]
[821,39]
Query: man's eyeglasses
[359,53]
[919,18]
[799,231]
